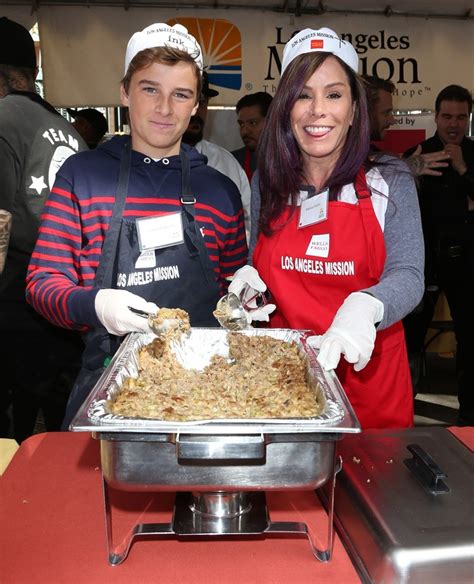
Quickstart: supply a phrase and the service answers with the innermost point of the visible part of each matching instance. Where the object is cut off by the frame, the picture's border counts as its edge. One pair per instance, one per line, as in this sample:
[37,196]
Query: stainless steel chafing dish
[404,507]
[218,460]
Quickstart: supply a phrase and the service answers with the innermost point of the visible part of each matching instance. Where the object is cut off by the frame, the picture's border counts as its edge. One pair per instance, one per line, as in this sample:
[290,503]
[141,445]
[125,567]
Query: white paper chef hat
[163,35]
[323,39]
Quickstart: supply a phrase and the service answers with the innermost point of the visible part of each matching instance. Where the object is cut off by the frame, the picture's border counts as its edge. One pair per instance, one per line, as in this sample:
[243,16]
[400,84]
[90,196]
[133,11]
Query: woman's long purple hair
[279,159]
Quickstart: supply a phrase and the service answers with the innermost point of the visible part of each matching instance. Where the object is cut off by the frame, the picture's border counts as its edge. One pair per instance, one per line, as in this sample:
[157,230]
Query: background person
[141,221]
[39,360]
[251,112]
[379,93]
[340,243]
[91,125]
[217,156]
[447,209]
[380,106]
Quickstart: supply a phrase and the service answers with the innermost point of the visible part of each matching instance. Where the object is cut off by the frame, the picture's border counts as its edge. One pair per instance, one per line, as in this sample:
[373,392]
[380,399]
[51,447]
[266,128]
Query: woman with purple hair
[339,241]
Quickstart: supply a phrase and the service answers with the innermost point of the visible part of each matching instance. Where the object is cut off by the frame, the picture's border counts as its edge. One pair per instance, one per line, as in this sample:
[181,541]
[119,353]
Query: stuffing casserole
[263,377]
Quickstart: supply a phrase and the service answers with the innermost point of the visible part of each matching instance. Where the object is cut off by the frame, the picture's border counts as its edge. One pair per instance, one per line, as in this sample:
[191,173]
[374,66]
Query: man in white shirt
[217,157]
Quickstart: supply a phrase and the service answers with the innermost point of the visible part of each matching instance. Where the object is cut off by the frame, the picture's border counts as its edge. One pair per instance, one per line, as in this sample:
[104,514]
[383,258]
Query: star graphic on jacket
[38,184]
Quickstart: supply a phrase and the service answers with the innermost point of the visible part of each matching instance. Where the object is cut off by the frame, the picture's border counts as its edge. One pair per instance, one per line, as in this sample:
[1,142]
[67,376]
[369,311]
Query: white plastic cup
[5,228]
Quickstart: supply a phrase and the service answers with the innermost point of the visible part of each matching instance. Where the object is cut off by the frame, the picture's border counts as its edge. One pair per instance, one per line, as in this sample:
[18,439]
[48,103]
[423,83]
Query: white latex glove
[112,310]
[246,282]
[352,332]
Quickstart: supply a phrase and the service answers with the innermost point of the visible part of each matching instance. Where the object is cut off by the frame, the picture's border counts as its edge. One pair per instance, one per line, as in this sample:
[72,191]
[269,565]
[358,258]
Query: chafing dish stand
[221,513]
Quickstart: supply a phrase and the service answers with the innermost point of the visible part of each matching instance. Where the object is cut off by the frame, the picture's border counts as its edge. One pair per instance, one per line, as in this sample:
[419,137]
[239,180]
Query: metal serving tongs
[157,324]
[231,310]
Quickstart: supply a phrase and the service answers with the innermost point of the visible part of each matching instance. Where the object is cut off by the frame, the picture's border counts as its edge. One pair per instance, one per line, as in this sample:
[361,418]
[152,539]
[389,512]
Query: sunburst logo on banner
[221,45]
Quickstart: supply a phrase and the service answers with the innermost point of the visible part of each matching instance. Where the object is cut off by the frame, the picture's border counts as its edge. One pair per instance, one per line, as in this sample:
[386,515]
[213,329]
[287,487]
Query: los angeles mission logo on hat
[163,35]
[323,39]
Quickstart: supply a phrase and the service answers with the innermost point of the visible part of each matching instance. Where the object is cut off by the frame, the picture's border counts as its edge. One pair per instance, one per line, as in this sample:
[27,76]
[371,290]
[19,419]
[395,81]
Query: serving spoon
[158,325]
[231,310]
[230,313]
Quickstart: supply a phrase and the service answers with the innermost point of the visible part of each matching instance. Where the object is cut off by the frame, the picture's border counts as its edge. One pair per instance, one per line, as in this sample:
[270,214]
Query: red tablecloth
[53,530]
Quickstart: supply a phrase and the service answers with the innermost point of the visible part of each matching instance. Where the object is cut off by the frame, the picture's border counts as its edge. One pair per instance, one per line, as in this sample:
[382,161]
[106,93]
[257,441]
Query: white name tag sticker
[157,232]
[319,246]
[314,210]
[147,259]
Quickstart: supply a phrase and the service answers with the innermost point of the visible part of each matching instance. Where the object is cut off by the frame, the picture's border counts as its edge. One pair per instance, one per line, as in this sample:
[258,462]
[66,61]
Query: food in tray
[263,377]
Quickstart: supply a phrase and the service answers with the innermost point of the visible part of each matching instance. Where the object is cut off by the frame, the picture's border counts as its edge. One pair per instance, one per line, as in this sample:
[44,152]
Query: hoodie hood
[115,145]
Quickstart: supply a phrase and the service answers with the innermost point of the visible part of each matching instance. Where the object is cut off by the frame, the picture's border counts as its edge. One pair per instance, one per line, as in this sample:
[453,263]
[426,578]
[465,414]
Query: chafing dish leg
[297,527]
[118,553]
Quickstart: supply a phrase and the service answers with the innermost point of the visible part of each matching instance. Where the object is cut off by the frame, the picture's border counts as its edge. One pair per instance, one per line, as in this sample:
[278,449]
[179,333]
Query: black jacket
[444,199]
[34,142]
[448,225]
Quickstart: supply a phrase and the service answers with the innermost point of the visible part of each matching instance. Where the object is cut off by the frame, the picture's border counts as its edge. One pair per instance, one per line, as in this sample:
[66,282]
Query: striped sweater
[61,274]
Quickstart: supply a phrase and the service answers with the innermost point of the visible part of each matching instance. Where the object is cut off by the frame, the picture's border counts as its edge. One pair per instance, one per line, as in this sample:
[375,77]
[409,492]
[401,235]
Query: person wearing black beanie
[18,66]
[35,141]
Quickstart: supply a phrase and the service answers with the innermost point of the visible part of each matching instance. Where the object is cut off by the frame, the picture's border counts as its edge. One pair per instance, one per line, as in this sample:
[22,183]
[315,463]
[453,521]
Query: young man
[140,222]
[40,361]
[251,111]
[217,157]
[447,209]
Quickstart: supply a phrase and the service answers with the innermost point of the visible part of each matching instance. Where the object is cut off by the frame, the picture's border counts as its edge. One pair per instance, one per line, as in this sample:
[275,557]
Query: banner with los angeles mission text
[83,50]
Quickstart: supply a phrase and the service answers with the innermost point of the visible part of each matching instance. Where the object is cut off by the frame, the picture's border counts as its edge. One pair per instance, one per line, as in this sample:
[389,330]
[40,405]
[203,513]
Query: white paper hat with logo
[322,40]
[163,35]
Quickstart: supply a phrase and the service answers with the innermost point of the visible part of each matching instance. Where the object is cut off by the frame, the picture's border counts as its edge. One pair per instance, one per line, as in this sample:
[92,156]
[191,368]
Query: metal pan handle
[221,448]
[426,470]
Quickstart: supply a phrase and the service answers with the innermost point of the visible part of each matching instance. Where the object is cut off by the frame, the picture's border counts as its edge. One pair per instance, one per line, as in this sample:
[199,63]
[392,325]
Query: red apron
[309,289]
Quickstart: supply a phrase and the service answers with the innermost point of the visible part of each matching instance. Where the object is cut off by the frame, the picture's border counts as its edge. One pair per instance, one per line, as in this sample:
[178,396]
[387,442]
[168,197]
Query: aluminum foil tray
[195,351]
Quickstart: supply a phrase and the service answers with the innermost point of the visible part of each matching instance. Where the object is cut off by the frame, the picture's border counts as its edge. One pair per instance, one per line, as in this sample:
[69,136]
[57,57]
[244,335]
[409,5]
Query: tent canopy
[413,8]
